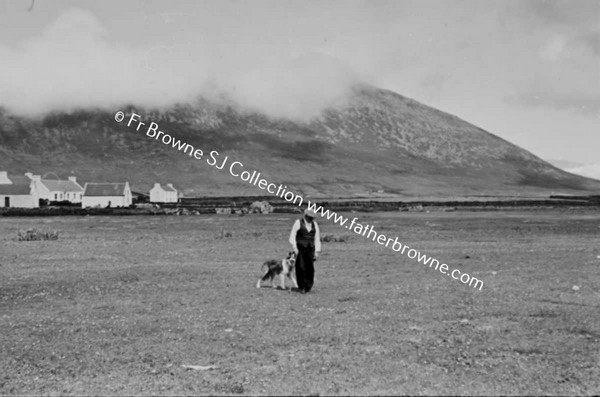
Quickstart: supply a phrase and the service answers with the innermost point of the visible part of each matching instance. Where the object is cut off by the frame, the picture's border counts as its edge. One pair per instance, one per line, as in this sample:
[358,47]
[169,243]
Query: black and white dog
[283,268]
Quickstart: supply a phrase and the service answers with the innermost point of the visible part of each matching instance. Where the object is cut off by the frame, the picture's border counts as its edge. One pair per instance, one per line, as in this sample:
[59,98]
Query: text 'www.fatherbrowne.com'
[237,169]
[369,232]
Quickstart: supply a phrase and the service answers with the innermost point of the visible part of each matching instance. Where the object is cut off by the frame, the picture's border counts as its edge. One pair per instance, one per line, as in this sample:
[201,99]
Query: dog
[283,268]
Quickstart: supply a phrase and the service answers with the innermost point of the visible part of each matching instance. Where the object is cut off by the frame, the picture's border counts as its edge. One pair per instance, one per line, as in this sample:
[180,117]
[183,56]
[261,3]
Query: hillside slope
[590,171]
[377,141]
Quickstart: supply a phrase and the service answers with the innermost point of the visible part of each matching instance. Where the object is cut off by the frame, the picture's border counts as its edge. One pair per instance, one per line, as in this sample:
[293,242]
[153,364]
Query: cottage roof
[61,186]
[19,179]
[168,189]
[15,189]
[104,189]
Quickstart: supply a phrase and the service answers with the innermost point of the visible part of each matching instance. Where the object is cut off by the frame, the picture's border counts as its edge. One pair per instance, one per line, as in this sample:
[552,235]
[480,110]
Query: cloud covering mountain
[74,63]
[524,70]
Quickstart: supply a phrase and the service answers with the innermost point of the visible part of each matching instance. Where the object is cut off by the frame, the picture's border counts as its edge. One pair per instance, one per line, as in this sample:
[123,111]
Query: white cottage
[106,195]
[160,194]
[19,196]
[58,190]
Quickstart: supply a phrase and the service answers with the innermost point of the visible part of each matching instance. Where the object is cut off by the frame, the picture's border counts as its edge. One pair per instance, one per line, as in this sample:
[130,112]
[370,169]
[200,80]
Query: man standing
[306,243]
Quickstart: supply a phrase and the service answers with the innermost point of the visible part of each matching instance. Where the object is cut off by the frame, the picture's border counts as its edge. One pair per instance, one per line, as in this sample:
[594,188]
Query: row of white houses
[27,191]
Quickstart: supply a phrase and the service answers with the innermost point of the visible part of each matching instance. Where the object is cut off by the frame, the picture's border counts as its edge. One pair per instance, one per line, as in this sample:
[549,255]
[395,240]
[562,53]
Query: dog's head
[291,257]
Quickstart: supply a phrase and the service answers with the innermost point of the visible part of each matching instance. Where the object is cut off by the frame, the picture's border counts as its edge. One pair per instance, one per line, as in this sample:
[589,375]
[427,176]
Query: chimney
[170,185]
[73,179]
[4,178]
[35,178]
[156,185]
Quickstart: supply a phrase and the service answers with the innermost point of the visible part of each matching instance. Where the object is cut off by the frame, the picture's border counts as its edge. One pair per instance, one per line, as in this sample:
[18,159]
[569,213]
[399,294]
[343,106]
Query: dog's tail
[264,271]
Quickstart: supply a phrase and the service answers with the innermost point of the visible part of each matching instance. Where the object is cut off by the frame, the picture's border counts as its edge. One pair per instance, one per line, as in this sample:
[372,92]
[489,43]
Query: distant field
[118,304]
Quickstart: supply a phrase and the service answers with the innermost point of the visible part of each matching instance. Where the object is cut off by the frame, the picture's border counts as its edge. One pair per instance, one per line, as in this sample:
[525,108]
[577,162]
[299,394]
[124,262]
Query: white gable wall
[44,192]
[128,200]
[159,195]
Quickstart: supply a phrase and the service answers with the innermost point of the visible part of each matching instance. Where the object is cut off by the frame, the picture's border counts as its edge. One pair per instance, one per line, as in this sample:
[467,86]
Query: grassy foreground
[118,305]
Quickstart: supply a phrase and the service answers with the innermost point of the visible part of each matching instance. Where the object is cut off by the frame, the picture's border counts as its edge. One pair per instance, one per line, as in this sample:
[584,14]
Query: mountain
[376,141]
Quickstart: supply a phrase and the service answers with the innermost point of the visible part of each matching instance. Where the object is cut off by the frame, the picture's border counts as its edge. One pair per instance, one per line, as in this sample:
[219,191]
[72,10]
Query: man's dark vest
[304,238]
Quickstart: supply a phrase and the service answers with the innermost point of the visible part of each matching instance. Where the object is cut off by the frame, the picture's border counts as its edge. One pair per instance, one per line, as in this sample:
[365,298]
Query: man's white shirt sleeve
[317,237]
[295,229]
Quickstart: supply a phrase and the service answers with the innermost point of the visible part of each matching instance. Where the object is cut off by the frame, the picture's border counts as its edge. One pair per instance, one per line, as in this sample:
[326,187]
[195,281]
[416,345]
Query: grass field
[117,305]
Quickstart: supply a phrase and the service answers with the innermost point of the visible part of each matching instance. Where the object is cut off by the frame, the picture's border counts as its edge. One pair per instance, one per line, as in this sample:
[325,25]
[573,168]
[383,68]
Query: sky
[527,71]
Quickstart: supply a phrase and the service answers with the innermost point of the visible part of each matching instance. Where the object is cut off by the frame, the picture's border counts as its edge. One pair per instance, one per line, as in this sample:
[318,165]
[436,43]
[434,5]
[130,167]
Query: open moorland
[118,305]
